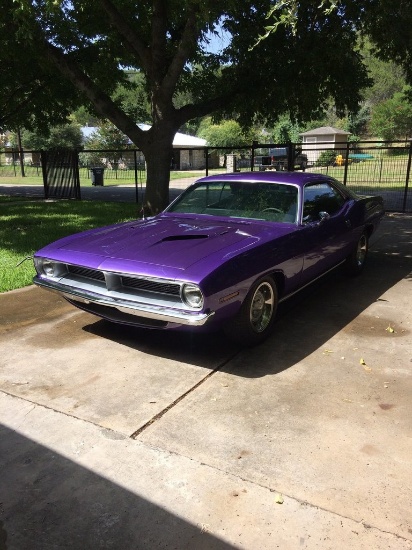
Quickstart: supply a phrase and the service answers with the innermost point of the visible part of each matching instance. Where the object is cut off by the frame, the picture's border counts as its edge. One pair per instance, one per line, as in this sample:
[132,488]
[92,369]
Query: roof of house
[324,130]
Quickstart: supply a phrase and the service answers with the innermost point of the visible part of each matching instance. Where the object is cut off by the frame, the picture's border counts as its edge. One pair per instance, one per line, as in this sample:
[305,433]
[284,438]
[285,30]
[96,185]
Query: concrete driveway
[113,437]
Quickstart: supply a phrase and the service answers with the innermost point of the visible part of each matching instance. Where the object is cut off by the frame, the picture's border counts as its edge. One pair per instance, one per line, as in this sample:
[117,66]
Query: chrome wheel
[356,261]
[262,307]
[361,251]
[255,319]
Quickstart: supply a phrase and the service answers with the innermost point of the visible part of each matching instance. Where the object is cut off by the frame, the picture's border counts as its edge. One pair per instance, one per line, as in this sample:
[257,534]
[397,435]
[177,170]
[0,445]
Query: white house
[188,150]
[326,137]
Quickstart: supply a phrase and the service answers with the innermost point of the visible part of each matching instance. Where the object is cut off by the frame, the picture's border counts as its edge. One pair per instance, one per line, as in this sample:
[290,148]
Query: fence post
[135,176]
[408,173]
[254,145]
[43,160]
[207,160]
[345,172]
[77,191]
[21,153]
[291,156]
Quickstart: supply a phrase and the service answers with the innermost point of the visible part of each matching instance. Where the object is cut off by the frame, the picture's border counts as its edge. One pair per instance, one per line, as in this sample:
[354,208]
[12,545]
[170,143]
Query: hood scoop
[184,238]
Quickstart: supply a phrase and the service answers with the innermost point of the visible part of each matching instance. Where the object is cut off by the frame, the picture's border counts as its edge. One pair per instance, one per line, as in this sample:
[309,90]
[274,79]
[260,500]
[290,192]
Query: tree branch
[133,42]
[103,104]
[158,44]
[191,111]
[189,39]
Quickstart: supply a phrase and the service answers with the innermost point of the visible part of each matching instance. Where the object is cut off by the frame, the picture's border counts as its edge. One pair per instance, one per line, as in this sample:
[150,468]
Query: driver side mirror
[323,217]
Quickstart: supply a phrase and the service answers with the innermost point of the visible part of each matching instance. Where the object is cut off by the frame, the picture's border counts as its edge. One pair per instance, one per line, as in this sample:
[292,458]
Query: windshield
[239,199]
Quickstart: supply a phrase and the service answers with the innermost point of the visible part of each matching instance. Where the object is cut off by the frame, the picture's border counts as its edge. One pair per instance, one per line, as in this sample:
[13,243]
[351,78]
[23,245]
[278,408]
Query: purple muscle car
[223,254]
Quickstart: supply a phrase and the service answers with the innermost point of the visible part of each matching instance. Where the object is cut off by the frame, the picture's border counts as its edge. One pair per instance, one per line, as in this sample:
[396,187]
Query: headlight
[192,296]
[45,267]
[48,268]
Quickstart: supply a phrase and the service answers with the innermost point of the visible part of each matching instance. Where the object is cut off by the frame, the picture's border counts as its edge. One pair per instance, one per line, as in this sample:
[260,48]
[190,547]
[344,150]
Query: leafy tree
[84,117]
[357,123]
[392,119]
[386,24]
[60,54]
[106,137]
[65,136]
[133,98]
[387,77]
[226,134]
[286,130]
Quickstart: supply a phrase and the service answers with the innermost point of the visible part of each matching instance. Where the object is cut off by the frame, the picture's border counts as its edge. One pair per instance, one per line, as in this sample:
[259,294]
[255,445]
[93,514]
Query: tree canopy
[59,54]
[64,136]
[392,119]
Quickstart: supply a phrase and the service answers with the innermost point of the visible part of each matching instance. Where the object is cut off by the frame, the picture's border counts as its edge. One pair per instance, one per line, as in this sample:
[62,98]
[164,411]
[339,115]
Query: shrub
[326,158]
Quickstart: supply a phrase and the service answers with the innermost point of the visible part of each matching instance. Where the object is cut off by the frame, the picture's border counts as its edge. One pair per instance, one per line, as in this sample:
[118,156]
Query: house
[319,139]
[188,151]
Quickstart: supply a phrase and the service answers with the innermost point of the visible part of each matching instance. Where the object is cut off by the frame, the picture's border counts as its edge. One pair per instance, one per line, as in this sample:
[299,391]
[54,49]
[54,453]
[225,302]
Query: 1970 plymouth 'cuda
[222,255]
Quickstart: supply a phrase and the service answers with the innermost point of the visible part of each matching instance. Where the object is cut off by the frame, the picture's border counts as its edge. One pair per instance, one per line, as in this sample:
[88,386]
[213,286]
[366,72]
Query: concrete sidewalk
[113,437]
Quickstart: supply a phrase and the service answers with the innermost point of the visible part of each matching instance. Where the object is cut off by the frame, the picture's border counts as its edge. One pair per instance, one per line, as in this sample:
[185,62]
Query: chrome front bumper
[138,309]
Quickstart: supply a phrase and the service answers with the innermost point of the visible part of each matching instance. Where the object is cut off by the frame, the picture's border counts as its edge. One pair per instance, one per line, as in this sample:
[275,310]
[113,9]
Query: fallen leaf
[362,361]
[326,351]
[390,329]
[279,499]
[368,369]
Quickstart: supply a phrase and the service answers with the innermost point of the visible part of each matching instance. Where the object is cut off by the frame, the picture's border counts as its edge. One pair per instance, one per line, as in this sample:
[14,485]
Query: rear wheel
[257,314]
[356,261]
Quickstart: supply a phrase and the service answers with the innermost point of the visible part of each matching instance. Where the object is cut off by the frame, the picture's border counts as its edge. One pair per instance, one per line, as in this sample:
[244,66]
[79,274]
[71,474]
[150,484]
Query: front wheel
[356,260]
[255,319]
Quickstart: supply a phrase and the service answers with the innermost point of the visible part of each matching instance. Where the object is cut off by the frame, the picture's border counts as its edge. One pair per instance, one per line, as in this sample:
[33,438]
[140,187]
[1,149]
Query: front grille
[136,283]
[151,286]
[84,272]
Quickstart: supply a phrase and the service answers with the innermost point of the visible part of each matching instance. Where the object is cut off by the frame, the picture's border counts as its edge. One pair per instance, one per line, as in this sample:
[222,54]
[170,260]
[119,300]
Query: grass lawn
[26,226]
[33,176]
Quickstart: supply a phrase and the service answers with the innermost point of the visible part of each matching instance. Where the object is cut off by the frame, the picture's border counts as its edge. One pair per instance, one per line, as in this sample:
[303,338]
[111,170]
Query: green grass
[33,176]
[26,226]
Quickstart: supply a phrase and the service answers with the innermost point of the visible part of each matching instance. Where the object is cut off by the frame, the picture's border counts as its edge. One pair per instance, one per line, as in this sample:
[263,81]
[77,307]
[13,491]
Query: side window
[320,197]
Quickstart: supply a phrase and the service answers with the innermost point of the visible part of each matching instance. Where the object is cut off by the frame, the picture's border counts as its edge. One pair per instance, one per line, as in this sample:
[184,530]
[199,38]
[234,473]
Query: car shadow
[304,322]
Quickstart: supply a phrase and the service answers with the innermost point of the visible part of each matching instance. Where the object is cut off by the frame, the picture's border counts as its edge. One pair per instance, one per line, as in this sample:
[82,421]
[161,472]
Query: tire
[356,260]
[255,319]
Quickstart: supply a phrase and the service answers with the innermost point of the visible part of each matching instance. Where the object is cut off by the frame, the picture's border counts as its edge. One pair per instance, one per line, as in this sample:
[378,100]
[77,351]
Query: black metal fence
[365,167]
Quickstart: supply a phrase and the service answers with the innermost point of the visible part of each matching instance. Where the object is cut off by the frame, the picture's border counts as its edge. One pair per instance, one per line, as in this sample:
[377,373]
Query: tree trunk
[158,156]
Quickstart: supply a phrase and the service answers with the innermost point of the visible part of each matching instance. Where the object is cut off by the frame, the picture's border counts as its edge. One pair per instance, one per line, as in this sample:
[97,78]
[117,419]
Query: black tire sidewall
[240,329]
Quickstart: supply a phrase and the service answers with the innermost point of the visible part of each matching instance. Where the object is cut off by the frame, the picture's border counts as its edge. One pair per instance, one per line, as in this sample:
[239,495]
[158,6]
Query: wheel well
[279,279]
[369,230]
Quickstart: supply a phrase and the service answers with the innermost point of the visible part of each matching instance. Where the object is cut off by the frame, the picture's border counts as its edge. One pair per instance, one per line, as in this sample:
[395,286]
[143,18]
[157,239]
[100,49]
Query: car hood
[165,240]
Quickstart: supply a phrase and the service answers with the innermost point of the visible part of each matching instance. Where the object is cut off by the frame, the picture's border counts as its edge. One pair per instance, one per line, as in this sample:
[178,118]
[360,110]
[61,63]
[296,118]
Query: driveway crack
[160,414]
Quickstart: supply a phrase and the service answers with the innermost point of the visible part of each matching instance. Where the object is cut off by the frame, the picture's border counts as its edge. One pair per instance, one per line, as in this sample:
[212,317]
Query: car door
[326,228]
